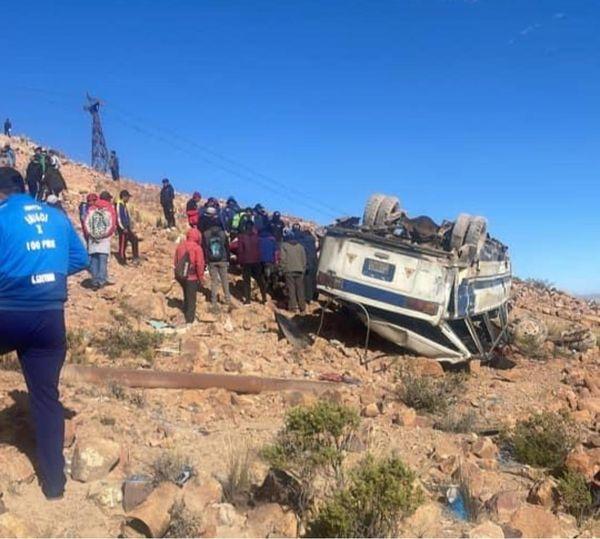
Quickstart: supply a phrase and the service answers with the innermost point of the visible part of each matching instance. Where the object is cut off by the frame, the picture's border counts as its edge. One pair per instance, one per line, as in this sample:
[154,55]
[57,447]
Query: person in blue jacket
[39,250]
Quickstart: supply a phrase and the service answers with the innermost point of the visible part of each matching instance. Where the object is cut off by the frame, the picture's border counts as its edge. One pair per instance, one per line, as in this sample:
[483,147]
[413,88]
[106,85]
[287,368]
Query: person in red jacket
[189,271]
[192,211]
[248,254]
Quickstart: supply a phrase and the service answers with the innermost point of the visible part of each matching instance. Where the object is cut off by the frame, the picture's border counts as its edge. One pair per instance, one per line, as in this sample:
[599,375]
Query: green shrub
[314,440]
[122,339]
[430,394]
[379,495]
[575,494]
[313,437]
[543,440]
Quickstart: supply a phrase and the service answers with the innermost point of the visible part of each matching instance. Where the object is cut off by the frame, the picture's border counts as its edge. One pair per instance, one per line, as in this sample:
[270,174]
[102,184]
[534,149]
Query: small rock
[543,493]
[591,404]
[424,366]
[227,515]
[106,494]
[371,410]
[487,530]
[582,417]
[484,448]
[94,458]
[15,466]
[405,417]
[135,491]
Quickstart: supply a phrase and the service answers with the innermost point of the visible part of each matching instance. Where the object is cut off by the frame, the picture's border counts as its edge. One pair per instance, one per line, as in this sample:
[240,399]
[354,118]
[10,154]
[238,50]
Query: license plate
[378,270]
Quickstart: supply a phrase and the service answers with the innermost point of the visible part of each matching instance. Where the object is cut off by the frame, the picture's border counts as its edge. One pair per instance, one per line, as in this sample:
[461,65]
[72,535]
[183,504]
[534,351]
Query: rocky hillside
[461,433]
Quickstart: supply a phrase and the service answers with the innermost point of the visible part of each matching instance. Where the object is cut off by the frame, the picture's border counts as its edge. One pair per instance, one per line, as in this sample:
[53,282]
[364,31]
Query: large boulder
[487,530]
[425,521]
[503,505]
[534,521]
[271,520]
[584,461]
[94,458]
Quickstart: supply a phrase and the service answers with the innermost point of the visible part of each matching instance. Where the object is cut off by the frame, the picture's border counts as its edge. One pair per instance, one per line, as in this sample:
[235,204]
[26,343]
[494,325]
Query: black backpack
[182,268]
[216,248]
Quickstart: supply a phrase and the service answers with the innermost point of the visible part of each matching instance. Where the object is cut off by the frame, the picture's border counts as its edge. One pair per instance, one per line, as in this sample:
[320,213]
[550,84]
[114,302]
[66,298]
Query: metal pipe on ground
[188,380]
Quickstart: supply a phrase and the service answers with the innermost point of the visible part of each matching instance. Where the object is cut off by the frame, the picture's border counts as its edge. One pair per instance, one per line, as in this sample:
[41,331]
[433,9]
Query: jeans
[218,272]
[39,338]
[99,268]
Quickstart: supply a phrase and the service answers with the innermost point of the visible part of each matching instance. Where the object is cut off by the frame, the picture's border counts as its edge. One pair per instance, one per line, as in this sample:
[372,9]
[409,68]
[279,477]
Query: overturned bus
[438,290]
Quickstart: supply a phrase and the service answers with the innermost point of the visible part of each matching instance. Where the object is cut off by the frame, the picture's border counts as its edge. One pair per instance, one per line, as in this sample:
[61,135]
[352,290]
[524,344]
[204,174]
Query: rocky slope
[114,432]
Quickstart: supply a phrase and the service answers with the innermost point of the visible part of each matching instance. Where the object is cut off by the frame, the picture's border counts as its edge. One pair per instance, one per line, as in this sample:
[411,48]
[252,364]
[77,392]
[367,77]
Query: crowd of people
[268,251]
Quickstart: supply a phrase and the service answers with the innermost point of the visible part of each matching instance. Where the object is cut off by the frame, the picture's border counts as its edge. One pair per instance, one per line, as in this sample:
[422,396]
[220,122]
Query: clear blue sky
[489,107]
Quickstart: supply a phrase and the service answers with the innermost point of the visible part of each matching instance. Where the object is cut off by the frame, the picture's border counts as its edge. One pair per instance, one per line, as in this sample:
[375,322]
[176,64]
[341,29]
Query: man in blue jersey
[39,249]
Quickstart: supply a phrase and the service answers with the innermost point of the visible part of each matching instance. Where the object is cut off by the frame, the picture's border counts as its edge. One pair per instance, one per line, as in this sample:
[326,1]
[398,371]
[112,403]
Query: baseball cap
[105,195]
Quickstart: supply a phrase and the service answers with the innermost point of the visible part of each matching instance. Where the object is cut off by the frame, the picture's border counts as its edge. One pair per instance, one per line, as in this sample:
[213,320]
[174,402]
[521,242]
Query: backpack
[216,249]
[182,268]
[99,223]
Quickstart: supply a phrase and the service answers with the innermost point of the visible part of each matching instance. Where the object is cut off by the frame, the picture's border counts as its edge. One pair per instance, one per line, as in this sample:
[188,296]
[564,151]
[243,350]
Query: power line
[218,160]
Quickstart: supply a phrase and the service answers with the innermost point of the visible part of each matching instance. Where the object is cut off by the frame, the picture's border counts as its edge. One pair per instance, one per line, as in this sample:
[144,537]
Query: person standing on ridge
[189,271]
[248,254]
[40,249]
[167,198]
[7,127]
[125,230]
[293,263]
[113,165]
[216,249]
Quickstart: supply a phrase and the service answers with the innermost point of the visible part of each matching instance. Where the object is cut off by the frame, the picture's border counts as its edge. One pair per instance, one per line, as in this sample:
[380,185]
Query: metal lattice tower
[99,150]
